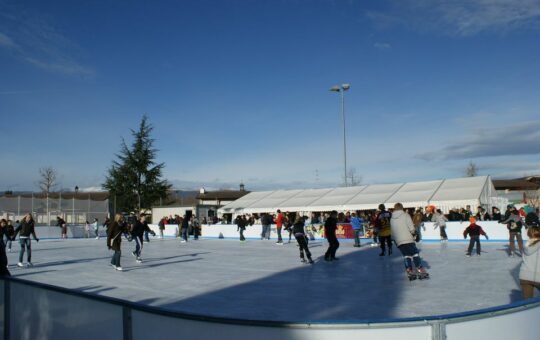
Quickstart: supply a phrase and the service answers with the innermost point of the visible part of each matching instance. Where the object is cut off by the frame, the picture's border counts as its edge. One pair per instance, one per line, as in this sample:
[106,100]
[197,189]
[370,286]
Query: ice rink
[260,280]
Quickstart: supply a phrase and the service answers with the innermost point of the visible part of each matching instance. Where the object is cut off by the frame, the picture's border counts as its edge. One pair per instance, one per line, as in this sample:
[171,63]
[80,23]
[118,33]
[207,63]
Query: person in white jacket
[439,220]
[529,272]
[403,233]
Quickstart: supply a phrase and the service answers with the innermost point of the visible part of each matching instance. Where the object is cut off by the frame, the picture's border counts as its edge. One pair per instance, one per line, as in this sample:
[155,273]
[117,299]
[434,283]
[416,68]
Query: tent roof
[470,190]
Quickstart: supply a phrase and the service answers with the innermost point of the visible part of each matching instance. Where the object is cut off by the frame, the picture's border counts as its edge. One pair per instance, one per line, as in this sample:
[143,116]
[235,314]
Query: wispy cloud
[511,140]
[33,39]
[382,46]
[461,18]
[6,41]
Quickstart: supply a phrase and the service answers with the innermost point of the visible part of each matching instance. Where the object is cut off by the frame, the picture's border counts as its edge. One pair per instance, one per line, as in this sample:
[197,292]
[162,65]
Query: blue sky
[238,90]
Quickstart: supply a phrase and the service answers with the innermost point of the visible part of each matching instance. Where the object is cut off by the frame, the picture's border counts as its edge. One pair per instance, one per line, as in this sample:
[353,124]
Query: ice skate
[310,261]
[410,274]
[422,274]
[20,264]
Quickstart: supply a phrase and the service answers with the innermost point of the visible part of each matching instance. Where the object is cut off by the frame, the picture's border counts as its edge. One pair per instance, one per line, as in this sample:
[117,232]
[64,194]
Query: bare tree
[353,178]
[472,170]
[47,180]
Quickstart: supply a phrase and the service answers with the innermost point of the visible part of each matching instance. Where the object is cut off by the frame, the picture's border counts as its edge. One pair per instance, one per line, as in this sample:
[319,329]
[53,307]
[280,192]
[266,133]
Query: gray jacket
[402,227]
[530,267]
[439,220]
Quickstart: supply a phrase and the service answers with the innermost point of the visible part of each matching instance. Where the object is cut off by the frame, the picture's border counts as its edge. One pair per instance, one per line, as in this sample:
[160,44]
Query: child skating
[300,235]
[474,231]
[403,232]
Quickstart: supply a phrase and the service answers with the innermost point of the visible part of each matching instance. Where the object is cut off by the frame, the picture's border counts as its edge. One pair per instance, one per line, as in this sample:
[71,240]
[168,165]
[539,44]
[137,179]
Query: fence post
[438,330]
[7,307]
[18,207]
[127,324]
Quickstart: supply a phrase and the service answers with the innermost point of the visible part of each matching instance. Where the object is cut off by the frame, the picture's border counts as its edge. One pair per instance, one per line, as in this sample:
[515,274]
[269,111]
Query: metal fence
[74,208]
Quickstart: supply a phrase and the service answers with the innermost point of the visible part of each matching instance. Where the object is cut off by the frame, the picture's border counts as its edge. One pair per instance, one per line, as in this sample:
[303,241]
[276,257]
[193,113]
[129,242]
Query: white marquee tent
[444,194]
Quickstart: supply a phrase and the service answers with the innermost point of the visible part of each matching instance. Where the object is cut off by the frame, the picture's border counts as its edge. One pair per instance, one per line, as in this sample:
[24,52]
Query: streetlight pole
[341,89]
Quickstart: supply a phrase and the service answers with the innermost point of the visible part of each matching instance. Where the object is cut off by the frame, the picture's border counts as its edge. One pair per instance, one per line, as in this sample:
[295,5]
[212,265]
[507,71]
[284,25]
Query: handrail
[363,323]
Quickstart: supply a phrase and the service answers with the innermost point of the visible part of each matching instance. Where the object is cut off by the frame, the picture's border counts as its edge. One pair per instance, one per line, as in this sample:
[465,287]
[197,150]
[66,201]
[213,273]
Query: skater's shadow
[143,266]
[65,262]
[31,272]
[94,289]
[156,259]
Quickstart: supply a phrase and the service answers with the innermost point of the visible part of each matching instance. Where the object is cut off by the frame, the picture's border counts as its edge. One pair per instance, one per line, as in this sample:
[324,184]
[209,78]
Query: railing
[31,310]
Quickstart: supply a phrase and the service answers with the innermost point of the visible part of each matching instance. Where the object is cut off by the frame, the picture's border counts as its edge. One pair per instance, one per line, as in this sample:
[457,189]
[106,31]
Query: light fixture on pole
[341,89]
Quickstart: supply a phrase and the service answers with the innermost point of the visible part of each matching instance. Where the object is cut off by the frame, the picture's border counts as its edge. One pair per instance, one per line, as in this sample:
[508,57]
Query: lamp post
[341,89]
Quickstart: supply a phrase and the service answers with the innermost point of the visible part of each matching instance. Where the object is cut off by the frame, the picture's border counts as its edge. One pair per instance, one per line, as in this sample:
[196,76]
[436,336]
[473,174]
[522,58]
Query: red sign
[344,230]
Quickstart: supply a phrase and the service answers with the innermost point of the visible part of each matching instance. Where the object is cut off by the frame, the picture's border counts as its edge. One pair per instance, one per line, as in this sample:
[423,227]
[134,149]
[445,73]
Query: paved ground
[264,281]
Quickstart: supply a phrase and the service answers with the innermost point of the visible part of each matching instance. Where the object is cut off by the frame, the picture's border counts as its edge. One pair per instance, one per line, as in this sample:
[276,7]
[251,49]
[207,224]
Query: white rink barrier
[31,310]
[496,231]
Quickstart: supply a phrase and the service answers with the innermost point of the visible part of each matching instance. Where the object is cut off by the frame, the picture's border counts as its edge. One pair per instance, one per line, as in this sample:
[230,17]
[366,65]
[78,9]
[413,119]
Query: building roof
[515,184]
[222,195]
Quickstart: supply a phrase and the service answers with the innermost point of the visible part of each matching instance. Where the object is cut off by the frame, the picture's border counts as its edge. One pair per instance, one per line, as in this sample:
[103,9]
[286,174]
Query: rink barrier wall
[32,310]
[496,231]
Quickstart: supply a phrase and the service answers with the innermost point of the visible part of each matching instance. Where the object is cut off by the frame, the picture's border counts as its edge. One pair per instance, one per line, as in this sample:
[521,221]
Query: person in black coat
[330,227]
[298,229]
[241,224]
[114,239]
[3,258]
[26,228]
[139,229]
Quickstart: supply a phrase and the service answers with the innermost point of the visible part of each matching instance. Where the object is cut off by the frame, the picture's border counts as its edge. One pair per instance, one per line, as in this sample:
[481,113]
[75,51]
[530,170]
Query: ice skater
[474,231]
[300,235]
[403,232]
[3,258]
[10,234]
[95,224]
[137,232]
[184,229]
[439,221]
[382,222]
[241,223]
[114,240]
[63,226]
[529,277]
[330,227]
[26,228]
[514,224]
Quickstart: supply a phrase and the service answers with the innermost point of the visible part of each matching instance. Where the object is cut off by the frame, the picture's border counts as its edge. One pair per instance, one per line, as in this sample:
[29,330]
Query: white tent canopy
[444,194]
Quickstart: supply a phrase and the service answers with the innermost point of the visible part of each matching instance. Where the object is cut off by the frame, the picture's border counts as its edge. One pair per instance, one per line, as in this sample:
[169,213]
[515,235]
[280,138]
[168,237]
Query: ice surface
[263,281]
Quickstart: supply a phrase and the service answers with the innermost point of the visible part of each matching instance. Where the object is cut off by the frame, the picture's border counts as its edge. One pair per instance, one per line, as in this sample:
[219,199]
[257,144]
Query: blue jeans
[138,245]
[265,232]
[115,261]
[25,243]
[357,237]
[410,254]
[185,234]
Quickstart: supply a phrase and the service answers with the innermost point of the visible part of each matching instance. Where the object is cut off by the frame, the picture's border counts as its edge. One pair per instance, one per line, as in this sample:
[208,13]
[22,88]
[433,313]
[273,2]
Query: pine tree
[134,180]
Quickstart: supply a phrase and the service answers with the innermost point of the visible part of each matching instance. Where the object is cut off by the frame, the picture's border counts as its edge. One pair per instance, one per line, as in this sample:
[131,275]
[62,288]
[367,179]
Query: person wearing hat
[474,231]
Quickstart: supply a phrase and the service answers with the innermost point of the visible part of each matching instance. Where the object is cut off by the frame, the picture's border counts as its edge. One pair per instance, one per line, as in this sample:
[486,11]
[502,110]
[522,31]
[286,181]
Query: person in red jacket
[474,231]
[279,225]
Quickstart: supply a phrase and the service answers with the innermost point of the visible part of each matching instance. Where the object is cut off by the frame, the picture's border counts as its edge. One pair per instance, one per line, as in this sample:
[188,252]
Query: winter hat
[472,219]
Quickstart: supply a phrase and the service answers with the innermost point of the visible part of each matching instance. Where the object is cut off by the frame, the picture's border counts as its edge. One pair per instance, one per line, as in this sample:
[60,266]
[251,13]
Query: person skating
[474,231]
[139,229]
[95,225]
[241,223]
[279,225]
[114,240]
[266,221]
[330,227]
[196,226]
[514,225]
[382,221]
[298,229]
[25,229]
[418,221]
[184,229]
[10,234]
[529,271]
[356,223]
[403,233]
[439,221]
[3,258]
[63,226]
